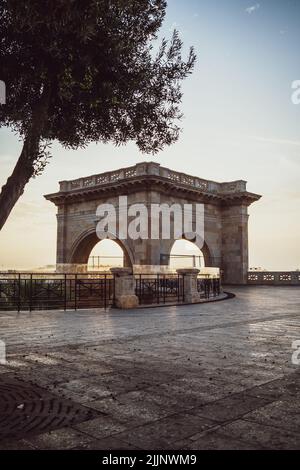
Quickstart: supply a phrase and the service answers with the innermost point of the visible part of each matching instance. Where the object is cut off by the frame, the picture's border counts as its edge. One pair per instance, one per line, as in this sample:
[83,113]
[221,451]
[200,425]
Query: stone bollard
[125,288]
[191,294]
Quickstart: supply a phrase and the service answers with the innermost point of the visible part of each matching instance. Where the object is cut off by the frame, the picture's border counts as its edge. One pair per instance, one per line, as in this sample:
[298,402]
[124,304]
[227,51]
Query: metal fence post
[65,292]
[19,292]
[75,291]
[30,293]
[105,300]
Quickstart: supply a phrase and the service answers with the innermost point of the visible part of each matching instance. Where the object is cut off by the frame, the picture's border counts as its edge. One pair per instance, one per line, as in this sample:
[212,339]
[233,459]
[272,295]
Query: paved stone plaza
[211,376]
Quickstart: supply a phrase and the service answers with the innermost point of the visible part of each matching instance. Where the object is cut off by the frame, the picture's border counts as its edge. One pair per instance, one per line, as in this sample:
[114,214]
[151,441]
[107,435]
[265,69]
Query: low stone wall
[274,278]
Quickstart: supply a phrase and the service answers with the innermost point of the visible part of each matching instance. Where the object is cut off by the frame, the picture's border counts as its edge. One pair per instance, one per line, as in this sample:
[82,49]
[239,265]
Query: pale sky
[239,123]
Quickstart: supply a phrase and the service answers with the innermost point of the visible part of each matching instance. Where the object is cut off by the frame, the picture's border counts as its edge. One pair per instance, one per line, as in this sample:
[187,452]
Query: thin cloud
[252,8]
[278,141]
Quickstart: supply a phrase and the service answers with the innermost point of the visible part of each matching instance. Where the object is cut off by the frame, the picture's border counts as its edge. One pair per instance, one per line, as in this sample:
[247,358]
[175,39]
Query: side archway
[185,254]
[202,248]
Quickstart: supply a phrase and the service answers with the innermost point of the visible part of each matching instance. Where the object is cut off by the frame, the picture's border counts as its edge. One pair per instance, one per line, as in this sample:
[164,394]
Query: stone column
[191,294]
[61,218]
[235,244]
[125,288]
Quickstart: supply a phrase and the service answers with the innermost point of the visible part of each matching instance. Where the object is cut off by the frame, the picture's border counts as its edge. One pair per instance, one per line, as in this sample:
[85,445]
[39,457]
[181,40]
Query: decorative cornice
[151,176]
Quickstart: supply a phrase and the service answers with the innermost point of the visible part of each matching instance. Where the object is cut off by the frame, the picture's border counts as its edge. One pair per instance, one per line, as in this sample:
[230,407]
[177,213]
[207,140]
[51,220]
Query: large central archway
[85,244]
[105,255]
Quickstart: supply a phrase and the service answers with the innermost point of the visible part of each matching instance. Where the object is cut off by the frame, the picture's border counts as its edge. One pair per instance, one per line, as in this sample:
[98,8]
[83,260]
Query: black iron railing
[208,287]
[35,291]
[159,288]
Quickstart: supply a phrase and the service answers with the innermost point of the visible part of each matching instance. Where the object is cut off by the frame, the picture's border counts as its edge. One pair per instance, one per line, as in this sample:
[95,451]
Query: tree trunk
[24,168]
[16,183]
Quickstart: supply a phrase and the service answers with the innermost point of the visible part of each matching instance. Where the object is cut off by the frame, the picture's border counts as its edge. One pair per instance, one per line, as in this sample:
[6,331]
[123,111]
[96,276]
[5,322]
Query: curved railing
[46,291]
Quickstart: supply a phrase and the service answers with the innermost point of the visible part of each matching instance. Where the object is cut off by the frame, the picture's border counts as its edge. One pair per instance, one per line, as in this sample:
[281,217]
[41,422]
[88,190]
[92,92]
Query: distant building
[258,269]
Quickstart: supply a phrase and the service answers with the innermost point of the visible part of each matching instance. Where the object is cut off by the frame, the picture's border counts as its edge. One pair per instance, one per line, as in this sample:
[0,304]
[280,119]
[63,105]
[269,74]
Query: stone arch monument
[225,218]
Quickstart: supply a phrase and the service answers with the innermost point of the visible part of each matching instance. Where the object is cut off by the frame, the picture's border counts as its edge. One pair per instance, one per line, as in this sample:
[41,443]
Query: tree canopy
[79,71]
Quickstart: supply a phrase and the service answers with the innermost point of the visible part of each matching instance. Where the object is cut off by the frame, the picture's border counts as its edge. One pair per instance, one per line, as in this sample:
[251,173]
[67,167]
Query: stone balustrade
[153,169]
[278,278]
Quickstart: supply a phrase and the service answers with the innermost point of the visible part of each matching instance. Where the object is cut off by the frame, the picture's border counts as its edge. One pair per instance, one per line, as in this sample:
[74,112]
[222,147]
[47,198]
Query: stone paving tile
[152,398]
[287,387]
[279,414]
[190,392]
[65,438]
[130,410]
[245,380]
[109,443]
[16,445]
[259,435]
[209,376]
[117,383]
[164,433]
[101,427]
[54,375]
[84,388]
[68,394]
[230,408]
[215,441]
